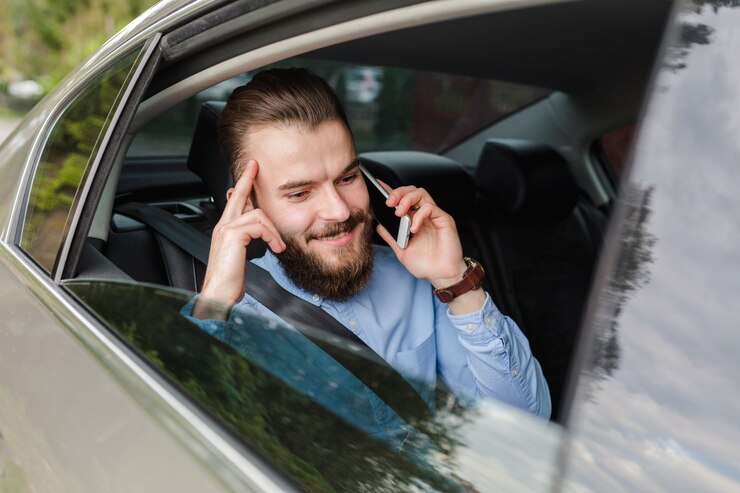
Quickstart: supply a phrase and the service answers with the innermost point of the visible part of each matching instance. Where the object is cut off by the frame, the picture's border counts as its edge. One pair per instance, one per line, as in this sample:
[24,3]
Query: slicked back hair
[292,97]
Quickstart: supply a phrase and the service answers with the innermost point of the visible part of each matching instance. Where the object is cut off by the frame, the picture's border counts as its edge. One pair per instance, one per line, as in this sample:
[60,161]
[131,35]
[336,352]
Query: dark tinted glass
[71,147]
[285,395]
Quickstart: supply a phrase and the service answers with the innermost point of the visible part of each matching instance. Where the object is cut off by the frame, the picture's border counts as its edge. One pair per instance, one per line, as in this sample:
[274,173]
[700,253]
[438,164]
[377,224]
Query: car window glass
[70,148]
[288,399]
[388,108]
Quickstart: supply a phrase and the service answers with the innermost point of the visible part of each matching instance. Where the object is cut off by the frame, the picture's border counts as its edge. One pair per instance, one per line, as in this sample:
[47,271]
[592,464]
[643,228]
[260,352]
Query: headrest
[448,183]
[528,180]
[205,159]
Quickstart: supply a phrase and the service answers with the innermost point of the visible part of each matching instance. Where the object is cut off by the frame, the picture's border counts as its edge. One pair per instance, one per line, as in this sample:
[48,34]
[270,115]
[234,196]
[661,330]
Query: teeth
[329,238]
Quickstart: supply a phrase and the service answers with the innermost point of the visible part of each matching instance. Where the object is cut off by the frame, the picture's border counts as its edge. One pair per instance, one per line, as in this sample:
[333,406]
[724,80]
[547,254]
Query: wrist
[219,293]
[207,309]
[470,280]
[454,275]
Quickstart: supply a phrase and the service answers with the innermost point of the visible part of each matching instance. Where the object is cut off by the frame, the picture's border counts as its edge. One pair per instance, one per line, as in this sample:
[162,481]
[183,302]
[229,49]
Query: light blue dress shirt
[480,354]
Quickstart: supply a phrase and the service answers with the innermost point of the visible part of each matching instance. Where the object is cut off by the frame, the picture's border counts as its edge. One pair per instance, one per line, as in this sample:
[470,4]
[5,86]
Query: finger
[246,221]
[241,191]
[245,233]
[389,239]
[392,198]
[412,201]
[395,195]
[424,212]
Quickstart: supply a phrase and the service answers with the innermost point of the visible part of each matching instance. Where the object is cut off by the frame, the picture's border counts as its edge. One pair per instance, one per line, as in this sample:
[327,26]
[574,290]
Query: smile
[337,240]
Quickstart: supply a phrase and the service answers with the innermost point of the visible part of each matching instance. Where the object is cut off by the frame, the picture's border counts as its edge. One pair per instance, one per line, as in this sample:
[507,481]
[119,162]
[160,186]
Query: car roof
[572,46]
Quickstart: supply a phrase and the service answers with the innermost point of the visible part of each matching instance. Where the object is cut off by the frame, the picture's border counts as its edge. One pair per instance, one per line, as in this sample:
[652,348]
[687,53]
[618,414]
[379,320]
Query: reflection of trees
[630,273]
[311,446]
[73,141]
[691,34]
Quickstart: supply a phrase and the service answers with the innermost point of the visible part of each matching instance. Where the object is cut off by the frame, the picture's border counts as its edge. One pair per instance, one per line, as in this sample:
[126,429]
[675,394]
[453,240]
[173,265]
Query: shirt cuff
[211,326]
[479,327]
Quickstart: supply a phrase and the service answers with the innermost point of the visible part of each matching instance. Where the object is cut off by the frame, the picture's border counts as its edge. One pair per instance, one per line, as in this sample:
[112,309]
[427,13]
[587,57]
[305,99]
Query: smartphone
[386,215]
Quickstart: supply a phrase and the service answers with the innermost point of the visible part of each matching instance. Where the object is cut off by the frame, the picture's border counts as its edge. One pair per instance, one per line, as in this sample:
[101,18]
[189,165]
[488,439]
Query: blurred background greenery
[42,40]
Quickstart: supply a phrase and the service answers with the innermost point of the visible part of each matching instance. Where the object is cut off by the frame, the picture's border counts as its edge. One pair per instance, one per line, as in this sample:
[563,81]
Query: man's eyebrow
[354,164]
[303,183]
[295,184]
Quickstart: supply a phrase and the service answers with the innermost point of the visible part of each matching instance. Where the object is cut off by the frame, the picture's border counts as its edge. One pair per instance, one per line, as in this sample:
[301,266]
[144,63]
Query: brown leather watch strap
[472,279]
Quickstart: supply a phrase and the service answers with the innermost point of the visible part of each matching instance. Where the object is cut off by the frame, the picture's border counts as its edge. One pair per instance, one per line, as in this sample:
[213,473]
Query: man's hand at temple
[240,223]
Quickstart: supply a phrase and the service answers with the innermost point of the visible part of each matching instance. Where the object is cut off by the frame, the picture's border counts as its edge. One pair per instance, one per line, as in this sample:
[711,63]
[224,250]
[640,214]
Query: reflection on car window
[388,108]
[70,148]
[615,146]
[287,398]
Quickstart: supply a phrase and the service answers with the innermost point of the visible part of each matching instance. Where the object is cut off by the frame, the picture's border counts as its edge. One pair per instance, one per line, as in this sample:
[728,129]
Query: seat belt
[178,232]
[313,322]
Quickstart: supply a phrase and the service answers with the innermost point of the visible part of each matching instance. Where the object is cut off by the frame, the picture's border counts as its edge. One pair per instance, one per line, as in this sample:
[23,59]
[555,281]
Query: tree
[44,39]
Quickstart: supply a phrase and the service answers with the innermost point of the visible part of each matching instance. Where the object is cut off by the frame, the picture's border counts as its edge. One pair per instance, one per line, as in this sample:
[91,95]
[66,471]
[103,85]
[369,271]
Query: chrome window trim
[212,446]
[17,215]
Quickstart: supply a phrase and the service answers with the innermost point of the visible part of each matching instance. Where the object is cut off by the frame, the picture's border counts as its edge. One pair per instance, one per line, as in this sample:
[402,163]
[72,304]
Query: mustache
[356,217]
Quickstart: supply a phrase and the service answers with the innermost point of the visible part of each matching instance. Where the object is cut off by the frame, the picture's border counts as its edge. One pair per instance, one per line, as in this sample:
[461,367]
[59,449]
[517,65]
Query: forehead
[297,153]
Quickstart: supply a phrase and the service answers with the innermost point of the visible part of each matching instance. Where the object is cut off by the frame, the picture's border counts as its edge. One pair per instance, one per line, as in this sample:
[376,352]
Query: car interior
[529,188]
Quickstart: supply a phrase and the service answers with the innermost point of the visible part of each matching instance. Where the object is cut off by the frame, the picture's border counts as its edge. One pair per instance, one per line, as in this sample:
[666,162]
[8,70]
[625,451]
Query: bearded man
[299,188]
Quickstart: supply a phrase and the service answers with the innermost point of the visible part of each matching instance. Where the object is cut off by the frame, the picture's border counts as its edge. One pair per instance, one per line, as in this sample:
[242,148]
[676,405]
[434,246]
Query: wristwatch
[472,279]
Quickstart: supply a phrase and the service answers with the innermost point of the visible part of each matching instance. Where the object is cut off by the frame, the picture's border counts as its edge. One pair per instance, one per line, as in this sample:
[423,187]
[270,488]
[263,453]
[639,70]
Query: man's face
[310,185]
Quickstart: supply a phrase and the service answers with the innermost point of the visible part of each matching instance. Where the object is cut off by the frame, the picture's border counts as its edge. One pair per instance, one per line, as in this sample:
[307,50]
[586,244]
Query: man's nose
[334,206]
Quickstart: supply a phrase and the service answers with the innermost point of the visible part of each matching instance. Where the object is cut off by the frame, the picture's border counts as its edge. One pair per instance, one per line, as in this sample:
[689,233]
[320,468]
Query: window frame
[143,51]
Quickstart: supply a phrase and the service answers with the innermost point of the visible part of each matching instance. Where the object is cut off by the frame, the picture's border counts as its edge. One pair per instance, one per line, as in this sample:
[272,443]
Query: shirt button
[514,372]
[353,323]
[488,320]
[470,327]
[316,297]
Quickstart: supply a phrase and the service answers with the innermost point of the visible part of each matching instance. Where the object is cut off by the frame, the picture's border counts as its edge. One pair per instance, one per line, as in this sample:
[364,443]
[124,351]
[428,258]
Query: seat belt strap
[356,356]
[178,232]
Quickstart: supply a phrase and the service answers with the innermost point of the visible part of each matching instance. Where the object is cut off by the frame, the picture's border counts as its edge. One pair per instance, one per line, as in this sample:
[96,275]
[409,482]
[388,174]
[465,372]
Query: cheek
[357,197]
[293,221]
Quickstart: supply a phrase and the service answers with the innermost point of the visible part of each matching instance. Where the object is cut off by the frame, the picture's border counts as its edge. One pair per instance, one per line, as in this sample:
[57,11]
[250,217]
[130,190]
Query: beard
[340,281]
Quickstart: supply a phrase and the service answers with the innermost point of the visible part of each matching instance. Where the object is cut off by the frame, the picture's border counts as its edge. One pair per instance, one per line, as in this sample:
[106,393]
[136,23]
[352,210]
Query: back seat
[543,236]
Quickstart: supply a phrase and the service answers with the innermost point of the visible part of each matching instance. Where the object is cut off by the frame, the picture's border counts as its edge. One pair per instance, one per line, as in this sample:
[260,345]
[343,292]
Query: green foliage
[45,39]
[64,160]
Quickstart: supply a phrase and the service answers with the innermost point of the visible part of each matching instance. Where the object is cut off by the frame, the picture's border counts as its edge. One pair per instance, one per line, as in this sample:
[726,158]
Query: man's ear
[229,193]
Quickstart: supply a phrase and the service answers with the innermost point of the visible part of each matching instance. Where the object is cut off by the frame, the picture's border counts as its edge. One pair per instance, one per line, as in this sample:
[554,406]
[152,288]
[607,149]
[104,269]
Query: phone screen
[397,226]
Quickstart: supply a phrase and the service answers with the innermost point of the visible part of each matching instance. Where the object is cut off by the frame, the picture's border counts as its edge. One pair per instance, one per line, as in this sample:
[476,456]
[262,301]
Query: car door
[71,417]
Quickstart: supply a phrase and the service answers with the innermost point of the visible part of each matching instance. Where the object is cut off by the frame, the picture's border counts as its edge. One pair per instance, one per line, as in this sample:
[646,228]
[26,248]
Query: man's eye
[298,195]
[349,178]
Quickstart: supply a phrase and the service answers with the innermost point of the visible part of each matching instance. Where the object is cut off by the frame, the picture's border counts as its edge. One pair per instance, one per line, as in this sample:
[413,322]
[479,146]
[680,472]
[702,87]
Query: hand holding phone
[391,222]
